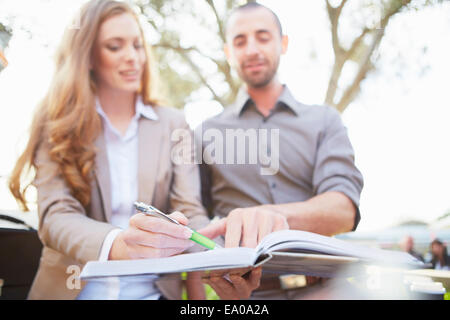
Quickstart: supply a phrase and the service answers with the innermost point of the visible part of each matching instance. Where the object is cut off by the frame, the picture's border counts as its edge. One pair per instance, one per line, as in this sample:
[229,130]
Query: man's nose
[252,47]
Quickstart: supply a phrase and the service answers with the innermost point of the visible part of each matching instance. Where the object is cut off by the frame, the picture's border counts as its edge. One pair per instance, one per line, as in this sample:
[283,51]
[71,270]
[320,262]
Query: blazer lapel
[102,175]
[150,137]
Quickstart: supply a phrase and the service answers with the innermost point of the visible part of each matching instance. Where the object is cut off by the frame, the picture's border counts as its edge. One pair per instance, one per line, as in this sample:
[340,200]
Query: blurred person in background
[99,141]
[407,245]
[440,259]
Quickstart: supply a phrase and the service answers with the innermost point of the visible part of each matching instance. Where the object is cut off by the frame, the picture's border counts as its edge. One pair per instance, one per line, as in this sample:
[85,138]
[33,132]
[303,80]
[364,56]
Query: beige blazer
[73,235]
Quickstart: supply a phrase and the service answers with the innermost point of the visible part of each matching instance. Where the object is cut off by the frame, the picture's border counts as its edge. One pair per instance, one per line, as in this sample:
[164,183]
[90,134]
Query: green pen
[196,237]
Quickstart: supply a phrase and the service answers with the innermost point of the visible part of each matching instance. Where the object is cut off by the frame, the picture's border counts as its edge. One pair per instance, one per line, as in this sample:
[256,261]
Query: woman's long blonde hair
[67,117]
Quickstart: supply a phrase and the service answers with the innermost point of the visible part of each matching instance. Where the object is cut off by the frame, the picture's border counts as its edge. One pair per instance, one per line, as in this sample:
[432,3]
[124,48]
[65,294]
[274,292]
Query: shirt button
[274,185]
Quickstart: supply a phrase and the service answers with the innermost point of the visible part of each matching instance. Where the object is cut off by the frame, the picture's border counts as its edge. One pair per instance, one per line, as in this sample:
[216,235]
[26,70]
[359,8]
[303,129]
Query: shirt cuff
[107,244]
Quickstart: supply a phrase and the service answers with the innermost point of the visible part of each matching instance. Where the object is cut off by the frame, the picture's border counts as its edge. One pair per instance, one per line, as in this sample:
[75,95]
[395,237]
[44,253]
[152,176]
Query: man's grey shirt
[294,154]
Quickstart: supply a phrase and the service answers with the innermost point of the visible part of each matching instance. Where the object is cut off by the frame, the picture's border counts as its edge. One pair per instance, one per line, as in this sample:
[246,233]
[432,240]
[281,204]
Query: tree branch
[342,55]
[397,7]
[364,68]
[219,21]
[140,5]
[182,50]
[356,43]
[340,7]
[339,52]
[197,71]
[334,14]
[334,79]
[222,66]
[167,45]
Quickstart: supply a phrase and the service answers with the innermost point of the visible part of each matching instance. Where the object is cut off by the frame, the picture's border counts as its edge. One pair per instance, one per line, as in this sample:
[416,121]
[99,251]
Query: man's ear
[284,44]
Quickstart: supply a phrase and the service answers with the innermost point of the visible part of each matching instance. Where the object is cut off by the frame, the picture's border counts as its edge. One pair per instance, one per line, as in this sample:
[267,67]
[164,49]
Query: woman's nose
[131,53]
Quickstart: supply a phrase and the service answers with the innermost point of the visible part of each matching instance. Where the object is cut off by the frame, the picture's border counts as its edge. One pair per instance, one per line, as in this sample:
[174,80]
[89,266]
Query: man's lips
[254,66]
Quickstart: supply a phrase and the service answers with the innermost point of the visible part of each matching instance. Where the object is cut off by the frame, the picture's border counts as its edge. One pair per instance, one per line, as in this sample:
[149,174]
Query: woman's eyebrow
[119,38]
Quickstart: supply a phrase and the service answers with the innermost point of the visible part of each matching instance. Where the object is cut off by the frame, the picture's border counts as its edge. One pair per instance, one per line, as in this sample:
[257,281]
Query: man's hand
[239,287]
[150,237]
[246,226]
[243,227]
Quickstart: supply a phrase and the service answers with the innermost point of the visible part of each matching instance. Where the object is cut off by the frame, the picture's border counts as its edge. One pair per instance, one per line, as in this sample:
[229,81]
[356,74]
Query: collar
[146,111]
[243,100]
[141,109]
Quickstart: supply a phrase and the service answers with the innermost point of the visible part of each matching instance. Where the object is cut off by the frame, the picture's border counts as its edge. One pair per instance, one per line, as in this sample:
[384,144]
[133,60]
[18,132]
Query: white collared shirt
[123,163]
[123,153]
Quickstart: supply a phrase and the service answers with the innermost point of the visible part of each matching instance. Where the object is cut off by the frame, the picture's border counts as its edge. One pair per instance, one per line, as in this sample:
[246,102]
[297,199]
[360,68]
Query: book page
[309,264]
[207,260]
[307,242]
[293,241]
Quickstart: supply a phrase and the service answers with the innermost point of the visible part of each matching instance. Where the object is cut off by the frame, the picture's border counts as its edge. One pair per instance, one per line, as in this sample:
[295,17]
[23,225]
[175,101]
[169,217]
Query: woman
[440,259]
[100,141]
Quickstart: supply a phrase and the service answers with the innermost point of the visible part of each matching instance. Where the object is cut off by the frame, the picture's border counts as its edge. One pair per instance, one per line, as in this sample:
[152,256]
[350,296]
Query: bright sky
[398,126]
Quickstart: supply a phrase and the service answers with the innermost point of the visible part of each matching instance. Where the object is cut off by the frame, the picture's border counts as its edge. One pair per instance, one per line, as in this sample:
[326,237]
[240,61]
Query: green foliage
[176,85]
[209,292]
[445,215]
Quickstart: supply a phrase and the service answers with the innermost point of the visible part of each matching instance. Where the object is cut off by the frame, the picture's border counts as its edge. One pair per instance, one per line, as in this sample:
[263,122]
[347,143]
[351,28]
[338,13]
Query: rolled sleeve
[335,168]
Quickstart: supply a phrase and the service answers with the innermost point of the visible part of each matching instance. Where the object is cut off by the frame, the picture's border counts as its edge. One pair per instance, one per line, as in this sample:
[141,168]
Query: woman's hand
[151,237]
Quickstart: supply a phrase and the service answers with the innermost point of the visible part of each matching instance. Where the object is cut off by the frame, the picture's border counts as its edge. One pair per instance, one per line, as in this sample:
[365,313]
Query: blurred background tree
[189,67]
[364,46]
[361,50]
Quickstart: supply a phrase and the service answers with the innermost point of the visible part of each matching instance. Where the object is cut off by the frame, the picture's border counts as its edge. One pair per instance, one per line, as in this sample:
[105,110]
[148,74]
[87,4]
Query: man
[407,245]
[304,175]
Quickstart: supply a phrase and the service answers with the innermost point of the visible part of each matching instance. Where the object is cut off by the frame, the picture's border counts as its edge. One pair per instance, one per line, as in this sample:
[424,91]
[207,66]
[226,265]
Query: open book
[281,252]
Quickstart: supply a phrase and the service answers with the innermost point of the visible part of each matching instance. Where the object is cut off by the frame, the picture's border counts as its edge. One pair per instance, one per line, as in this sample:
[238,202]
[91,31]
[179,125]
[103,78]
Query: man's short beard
[266,79]
[259,84]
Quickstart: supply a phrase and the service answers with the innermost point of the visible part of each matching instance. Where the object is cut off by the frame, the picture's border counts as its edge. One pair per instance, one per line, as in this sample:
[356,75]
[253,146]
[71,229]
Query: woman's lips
[130,75]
